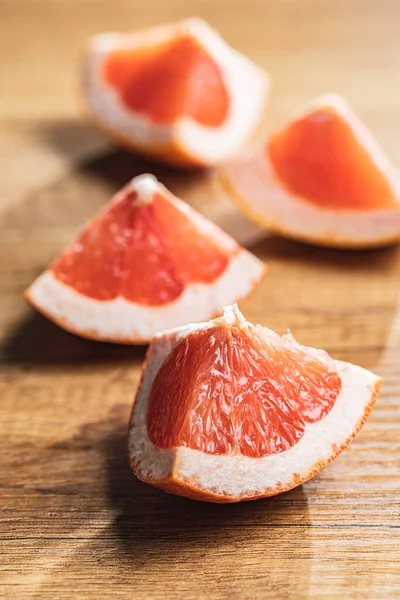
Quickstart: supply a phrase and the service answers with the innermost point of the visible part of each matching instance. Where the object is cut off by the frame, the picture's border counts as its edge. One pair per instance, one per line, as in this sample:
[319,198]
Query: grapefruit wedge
[146,263]
[321,179]
[227,411]
[177,92]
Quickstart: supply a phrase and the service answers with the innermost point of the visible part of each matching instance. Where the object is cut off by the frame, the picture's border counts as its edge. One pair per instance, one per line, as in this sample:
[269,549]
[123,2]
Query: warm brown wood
[75,523]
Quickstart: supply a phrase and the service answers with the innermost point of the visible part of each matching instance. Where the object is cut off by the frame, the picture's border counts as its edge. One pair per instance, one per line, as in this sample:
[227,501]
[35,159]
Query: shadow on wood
[69,137]
[96,176]
[155,528]
[375,259]
[95,515]
[37,341]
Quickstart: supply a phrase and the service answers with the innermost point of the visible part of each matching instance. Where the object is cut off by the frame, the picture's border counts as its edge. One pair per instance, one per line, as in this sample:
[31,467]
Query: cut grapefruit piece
[176,92]
[322,179]
[146,263]
[227,411]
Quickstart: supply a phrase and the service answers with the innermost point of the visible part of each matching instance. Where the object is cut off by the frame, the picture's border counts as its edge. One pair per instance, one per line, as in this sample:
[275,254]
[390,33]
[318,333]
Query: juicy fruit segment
[175,92]
[319,158]
[93,264]
[169,80]
[244,392]
[144,252]
[148,262]
[227,411]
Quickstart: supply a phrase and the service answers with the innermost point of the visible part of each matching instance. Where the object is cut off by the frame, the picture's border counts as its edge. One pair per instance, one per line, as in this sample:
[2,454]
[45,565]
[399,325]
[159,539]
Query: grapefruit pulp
[322,179]
[176,92]
[233,402]
[227,411]
[145,263]
[157,83]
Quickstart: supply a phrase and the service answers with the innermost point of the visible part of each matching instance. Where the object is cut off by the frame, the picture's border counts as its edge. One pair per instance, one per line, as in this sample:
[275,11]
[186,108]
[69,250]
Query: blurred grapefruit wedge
[146,263]
[178,92]
[322,179]
[227,411]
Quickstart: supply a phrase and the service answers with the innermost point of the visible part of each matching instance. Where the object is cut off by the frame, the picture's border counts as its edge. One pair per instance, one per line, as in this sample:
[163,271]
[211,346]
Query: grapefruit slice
[175,92]
[227,411]
[146,263]
[322,179]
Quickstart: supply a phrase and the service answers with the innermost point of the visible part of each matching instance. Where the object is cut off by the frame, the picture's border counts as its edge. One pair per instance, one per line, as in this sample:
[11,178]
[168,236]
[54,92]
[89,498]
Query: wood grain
[74,521]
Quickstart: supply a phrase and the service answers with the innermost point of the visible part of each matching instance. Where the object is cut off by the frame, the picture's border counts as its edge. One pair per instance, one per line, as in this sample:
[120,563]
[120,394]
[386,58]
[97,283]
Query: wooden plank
[74,522]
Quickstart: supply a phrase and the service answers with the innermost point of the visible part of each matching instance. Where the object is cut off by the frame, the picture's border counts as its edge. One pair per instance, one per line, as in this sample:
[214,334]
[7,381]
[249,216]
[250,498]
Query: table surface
[75,522]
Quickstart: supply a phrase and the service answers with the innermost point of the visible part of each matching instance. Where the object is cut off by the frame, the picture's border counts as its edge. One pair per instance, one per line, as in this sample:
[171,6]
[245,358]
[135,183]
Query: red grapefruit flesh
[94,263]
[132,238]
[227,411]
[177,92]
[242,394]
[169,80]
[321,179]
[146,263]
[319,158]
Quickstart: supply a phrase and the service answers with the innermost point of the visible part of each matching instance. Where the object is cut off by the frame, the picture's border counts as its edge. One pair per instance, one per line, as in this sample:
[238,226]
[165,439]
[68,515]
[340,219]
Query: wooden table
[75,522]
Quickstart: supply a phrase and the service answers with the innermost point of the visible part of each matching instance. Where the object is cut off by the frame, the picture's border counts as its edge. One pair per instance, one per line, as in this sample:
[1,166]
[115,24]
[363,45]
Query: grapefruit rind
[233,478]
[184,142]
[252,184]
[122,321]
[127,322]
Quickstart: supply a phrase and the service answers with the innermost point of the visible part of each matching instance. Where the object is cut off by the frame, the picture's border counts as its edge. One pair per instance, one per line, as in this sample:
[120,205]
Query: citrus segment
[322,179]
[94,263]
[227,411]
[319,158]
[151,274]
[168,81]
[177,92]
[237,393]
[146,263]
[195,252]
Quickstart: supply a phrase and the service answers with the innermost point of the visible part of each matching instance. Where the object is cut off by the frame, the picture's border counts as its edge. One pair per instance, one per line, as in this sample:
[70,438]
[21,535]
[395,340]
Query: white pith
[238,476]
[247,86]
[255,183]
[122,320]
[145,186]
